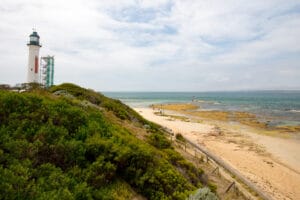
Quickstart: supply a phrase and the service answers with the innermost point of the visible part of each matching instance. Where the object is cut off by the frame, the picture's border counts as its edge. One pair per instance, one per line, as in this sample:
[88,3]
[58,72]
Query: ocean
[277,107]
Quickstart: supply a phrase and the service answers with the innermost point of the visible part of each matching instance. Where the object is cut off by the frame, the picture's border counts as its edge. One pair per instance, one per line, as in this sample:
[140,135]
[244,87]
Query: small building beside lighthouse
[47,71]
[33,58]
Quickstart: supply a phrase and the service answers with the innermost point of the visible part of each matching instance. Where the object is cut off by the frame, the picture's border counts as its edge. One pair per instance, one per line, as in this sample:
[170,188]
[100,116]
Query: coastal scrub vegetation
[65,143]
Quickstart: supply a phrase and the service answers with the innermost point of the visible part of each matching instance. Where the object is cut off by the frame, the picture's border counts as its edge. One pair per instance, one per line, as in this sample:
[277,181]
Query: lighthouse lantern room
[33,58]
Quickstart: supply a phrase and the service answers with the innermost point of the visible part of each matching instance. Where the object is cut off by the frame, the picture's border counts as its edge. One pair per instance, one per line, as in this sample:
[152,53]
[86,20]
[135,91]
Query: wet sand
[272,163]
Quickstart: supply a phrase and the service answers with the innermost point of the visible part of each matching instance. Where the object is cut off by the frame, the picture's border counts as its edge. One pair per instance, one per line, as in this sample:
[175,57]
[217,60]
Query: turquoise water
[278,107]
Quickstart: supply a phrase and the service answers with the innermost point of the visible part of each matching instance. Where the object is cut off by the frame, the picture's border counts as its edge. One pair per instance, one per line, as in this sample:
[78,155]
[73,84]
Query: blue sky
[157,45]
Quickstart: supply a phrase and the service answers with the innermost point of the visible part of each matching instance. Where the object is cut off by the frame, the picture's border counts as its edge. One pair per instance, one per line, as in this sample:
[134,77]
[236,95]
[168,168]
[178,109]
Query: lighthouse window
[34,39]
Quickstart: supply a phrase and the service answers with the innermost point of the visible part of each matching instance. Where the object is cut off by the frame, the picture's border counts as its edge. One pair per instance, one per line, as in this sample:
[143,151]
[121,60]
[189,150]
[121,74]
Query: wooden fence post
[215,170]
[230,186]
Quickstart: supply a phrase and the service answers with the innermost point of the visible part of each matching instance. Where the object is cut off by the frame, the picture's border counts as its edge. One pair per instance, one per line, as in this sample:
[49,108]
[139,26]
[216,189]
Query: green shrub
[179,137]
[159,141]
[203,194]
[54,147]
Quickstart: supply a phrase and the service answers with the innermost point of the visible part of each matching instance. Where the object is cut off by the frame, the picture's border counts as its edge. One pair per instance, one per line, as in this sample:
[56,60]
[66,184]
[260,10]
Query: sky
[157,45]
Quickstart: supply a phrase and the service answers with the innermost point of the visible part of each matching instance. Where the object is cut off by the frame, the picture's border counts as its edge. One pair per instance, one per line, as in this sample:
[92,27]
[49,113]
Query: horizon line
[245,90]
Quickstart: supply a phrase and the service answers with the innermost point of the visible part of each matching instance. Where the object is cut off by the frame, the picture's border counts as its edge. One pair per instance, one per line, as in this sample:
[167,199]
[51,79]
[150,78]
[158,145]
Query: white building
[33,58]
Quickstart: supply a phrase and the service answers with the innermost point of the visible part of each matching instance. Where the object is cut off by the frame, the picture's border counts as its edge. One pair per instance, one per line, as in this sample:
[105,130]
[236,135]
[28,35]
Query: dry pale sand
[270,162]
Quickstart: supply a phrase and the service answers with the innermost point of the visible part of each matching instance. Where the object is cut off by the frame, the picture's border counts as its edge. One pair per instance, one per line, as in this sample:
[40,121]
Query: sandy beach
[272,163]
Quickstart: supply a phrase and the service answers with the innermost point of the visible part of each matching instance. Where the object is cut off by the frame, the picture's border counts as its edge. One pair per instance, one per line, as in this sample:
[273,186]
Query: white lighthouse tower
[33,58]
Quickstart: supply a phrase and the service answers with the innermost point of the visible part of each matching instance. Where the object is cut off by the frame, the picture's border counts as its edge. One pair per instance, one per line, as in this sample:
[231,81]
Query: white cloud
[155,44]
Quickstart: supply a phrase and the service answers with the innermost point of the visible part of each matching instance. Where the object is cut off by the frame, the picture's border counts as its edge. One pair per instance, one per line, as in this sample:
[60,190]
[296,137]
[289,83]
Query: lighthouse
[33,58]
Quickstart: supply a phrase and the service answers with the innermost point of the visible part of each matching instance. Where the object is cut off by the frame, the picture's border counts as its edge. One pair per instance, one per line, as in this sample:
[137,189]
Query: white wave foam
[297,111]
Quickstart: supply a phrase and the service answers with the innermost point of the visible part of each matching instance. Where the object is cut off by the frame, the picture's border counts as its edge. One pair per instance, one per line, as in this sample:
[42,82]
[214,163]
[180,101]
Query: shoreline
[272,163]
[247,118]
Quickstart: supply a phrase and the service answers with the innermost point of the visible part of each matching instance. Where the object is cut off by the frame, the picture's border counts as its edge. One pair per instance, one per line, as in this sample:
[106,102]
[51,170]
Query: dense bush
[120,110]
[203,194]
[55,148]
